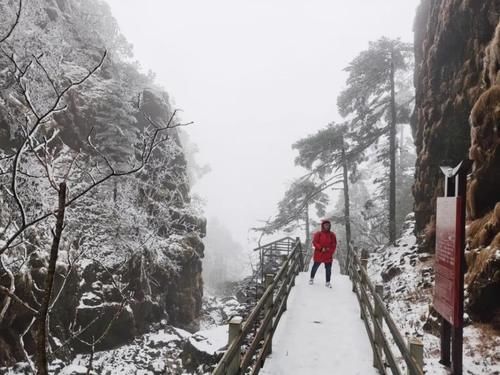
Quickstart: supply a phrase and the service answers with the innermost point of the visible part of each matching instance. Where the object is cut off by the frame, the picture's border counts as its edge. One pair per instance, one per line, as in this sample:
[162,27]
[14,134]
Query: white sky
[254,76]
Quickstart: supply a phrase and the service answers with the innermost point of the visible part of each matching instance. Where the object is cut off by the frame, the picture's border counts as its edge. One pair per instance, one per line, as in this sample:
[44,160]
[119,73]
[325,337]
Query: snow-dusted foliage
[368,198]
[76,109]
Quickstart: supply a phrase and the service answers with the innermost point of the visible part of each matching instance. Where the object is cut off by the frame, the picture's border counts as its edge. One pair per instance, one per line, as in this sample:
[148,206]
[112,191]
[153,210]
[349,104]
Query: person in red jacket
[325,244]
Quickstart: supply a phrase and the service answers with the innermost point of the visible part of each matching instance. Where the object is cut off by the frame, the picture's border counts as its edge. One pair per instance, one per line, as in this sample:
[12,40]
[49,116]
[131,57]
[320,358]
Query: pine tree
[370,104]
[332,157]
[293,209]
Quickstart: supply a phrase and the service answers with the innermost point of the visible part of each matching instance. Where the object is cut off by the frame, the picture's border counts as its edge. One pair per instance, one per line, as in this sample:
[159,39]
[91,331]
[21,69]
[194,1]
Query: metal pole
[457,335]
[445,333]
[445,342]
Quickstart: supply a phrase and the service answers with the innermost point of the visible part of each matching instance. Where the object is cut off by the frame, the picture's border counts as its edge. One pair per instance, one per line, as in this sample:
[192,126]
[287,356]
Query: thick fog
[254,76]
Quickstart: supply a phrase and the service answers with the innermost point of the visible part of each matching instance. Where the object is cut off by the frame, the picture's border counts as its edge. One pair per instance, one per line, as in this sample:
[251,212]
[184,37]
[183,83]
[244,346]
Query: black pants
[328,268]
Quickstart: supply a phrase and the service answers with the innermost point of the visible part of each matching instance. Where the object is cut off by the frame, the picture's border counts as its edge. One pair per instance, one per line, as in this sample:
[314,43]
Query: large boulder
[205,347]
[114,322]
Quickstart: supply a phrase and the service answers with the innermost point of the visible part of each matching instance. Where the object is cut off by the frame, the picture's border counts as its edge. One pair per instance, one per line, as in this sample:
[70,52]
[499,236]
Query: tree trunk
[401,143]
[308,229]
[347,213]
[392,156]
[308,245]
[41,329]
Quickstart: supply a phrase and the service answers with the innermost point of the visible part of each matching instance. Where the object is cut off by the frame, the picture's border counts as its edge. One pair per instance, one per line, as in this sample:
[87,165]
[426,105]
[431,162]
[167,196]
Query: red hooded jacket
[324,239]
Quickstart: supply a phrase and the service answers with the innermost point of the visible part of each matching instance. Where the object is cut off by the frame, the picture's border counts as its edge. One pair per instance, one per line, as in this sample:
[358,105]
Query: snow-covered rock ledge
[167,350]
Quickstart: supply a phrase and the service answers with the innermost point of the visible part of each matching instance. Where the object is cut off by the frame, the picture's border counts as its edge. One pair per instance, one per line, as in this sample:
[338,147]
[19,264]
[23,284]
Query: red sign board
[448,252]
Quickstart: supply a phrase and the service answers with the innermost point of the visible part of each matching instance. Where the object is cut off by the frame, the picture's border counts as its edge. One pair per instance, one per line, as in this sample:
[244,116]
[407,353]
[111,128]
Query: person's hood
[323,222]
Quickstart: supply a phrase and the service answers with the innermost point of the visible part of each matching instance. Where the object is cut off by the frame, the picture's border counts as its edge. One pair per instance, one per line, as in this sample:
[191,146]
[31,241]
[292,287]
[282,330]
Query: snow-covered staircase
[297,328]
[321,332]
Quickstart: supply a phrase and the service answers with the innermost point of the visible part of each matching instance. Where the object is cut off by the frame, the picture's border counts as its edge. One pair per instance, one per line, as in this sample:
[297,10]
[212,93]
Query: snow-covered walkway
[321,332]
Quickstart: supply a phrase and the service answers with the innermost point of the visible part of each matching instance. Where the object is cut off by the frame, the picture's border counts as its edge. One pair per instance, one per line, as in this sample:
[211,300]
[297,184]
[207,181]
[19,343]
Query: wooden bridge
[301,329]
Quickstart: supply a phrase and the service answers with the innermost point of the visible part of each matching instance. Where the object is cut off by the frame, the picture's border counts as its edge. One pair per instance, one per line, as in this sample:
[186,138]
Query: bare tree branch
[46,73]
[31,132]
[18,300]
[75,334]
[21,340]
[273,225]
[32,144]
[91,358]
[115,317]
[12,289]
[71,266]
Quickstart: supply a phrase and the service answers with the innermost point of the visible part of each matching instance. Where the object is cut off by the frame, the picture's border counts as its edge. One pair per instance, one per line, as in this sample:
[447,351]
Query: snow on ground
[210,341]
[321,332]
[153,353]
[408,279]
[157,352]
[217,311]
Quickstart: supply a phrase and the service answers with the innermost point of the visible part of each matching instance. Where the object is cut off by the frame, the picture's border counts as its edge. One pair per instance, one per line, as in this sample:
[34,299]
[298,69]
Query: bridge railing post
[378,340]
[234,330]
[269,310]
[354,274]
[299,262]
[361,280]
[351,266]
[364,258]
[300,256]
[416,348]
[288,276]
[291,270]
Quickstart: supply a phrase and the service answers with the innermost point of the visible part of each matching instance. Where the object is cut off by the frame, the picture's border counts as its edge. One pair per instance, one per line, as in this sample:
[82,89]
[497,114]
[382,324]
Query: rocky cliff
[131,251]
[457,116]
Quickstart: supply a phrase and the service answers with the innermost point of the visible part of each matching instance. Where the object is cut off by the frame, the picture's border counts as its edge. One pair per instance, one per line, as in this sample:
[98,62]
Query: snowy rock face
[451,38]
[456,117]
[131,249]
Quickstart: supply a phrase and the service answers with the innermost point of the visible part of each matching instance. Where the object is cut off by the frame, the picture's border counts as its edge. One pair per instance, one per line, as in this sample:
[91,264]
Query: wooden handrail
[274,242]
[273,304]
[269,309]
[366,293]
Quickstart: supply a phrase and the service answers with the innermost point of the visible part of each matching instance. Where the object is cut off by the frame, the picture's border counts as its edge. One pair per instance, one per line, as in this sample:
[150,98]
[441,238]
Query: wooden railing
[260,325]
[272,255]
[376,317]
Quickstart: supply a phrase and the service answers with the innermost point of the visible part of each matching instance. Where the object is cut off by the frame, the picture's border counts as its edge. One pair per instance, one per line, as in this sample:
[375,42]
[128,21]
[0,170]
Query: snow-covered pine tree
[370,104]
[294,208]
